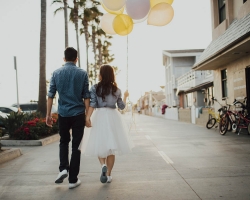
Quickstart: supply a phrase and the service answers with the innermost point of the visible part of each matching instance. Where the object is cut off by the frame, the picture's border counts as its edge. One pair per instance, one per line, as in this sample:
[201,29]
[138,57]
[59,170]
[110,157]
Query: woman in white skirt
[108,133]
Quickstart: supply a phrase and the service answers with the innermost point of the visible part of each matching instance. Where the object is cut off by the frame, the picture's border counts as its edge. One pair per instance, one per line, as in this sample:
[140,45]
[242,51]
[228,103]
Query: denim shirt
[110,100]
[72,85]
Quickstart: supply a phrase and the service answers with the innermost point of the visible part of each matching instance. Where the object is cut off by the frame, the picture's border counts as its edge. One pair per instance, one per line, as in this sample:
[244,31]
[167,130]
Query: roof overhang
[236,50]
[200,87]
[182,54]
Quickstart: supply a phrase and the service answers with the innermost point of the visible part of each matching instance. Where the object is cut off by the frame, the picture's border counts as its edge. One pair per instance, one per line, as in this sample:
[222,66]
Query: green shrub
[29,126]
[13,121]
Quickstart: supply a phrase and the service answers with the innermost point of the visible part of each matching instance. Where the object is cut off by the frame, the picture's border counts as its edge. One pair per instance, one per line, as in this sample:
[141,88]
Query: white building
[177,63]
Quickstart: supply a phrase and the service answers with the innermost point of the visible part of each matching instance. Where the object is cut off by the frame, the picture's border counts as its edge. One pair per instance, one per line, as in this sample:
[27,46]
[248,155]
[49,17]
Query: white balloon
[114,5]
[137,9]
[160,15]
[107,23]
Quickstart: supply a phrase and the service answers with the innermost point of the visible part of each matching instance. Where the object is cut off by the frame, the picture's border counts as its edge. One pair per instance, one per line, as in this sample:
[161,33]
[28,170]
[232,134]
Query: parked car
[4,112]
[8,110]
[32,107]
[4,115]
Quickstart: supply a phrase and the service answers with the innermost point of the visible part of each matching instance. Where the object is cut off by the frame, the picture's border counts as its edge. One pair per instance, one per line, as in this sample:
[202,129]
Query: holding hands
[88,122]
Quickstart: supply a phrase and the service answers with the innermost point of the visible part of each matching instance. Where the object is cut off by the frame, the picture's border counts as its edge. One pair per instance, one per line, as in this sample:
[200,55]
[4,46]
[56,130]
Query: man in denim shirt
[72,85]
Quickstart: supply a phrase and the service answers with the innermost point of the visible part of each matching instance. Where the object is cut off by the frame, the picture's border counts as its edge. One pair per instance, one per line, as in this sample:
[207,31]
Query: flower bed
[29,126]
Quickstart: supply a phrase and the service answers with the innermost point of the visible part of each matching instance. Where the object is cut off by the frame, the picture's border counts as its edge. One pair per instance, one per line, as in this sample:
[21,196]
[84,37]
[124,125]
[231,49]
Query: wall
[171,113]
[185,115]
[182,65]
[235,80]
[235,9]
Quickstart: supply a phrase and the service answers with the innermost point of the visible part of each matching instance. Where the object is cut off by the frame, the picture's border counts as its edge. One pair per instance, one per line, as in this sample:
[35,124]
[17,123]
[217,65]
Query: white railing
[186,80]
[194,78]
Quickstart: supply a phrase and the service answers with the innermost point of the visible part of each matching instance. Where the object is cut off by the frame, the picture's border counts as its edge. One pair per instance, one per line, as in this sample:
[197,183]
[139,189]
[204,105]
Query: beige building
[229,52]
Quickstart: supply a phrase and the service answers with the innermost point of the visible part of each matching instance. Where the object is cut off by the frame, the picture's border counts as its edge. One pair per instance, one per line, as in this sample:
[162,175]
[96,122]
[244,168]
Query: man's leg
[64,127]
[78,123]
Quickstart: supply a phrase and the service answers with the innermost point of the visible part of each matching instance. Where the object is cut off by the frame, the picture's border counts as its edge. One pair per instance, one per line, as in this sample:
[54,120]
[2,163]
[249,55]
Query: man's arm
[86,103]
[51,94]
[49,120]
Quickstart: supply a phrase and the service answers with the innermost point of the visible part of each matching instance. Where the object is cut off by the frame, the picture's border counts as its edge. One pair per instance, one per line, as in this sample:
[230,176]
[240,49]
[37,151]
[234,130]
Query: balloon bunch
[157,13]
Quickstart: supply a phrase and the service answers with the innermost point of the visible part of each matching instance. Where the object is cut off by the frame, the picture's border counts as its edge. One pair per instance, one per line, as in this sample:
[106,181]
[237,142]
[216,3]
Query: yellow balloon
[155,2]
[160,15]
[123,24]
[111,11]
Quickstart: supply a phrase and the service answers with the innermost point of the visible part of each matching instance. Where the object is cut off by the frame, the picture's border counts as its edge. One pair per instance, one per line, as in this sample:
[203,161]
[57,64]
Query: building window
[244,1]
[222,10]
[224,82]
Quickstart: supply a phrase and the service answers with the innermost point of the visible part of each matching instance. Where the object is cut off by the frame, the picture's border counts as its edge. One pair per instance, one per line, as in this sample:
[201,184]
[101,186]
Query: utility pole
[15,67]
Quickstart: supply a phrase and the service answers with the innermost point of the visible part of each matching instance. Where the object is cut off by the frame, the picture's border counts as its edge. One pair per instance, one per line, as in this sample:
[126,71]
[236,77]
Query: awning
[199,87]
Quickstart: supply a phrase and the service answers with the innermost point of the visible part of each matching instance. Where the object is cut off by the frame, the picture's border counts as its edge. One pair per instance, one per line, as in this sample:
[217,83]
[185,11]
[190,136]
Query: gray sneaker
[104,177]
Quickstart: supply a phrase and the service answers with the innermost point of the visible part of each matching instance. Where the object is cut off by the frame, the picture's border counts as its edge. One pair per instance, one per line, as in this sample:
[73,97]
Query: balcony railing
[186,80]
[194,78]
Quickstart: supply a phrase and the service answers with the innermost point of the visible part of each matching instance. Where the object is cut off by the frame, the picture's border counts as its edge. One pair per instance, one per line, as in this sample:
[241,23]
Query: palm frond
[58,9]
[56,1]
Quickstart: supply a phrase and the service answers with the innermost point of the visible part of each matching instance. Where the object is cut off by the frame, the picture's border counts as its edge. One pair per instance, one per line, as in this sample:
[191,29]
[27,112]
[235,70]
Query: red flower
[26,130]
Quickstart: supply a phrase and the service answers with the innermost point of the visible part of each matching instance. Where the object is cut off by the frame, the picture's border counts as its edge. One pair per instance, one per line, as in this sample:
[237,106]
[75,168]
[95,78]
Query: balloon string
[127,67]
[127,62]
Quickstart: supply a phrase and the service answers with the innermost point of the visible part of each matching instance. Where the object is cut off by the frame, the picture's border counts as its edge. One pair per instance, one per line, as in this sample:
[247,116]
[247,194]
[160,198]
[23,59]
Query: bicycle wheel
[229,128]
[211,122]
[223,126]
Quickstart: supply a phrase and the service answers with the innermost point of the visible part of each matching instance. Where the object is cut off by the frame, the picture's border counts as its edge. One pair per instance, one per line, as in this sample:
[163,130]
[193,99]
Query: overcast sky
[20,32]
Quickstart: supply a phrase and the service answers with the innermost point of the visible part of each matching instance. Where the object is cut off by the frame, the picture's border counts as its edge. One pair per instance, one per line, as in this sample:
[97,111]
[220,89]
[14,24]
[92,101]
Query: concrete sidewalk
[171,160]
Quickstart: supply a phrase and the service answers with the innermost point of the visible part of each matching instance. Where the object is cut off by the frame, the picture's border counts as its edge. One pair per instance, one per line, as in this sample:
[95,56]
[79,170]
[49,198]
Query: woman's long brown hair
[107,85]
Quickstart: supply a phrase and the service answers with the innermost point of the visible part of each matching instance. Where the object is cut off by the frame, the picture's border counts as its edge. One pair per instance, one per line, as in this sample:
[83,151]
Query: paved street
[171,160]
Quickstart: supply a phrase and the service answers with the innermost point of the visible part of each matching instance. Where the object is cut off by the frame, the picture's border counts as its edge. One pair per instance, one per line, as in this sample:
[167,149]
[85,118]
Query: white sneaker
[109,179]
[73,185]
[62,175]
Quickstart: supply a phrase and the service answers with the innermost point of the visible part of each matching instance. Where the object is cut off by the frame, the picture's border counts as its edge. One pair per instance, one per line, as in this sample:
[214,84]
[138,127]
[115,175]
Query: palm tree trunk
[66,23]
[42,75]
[94,50]
[85,26]
[76,27]
[99,52]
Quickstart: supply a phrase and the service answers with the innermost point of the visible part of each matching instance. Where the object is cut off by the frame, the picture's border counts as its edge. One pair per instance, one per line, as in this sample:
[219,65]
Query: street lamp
[15,67]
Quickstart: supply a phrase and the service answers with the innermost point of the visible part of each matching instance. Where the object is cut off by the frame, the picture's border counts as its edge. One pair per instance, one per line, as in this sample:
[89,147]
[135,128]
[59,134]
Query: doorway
[247,72]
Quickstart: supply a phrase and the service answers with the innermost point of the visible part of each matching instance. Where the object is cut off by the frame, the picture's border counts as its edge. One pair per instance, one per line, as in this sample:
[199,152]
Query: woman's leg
[102,161]
[110,164]
[103,177]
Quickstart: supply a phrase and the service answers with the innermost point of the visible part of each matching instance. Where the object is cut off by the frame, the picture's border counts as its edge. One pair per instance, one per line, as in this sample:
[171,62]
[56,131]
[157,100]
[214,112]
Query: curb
[9,154]
[41,142]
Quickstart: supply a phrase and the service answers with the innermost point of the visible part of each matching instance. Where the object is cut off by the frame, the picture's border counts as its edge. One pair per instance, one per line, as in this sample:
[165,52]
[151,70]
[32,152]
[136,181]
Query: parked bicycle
[214,118]
[240,119]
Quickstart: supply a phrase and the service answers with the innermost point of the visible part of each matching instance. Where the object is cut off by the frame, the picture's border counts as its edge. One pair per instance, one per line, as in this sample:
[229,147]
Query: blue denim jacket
[110,100]
[72,85]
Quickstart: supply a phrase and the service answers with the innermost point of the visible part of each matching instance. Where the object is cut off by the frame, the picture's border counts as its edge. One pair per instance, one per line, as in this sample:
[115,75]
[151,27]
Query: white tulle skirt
[109,134]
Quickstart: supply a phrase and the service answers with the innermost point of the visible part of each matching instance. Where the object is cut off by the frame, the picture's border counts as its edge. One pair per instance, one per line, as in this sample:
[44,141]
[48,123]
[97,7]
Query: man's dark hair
[70,54]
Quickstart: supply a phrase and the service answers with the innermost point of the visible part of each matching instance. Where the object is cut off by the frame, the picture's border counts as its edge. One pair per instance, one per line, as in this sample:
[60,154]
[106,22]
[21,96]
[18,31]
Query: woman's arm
[126,94]
[90,111]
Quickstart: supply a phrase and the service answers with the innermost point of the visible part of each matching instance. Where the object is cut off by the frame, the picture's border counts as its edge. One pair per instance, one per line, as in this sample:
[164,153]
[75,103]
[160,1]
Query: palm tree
[65,9]
[100,34]
[107,58]
[42,76]
[89,15]
[74,18]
